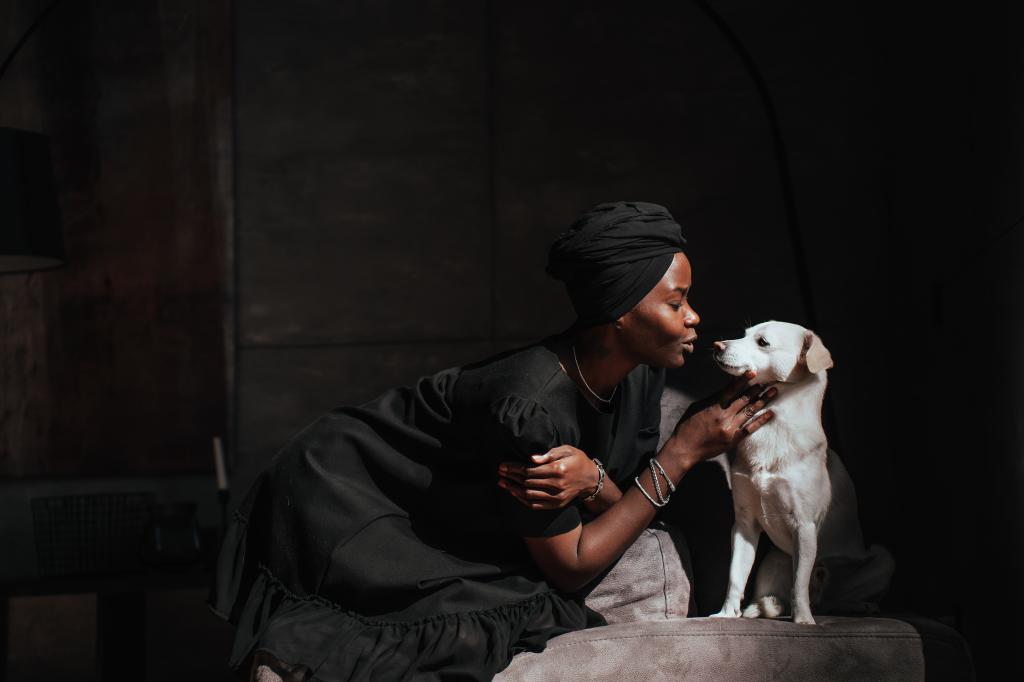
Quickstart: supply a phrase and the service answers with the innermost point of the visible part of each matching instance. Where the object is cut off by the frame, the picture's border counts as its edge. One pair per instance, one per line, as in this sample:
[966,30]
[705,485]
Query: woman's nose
[720,345]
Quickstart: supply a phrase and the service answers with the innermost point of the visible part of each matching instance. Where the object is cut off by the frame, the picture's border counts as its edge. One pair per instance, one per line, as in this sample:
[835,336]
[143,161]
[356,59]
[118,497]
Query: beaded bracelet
[600,481]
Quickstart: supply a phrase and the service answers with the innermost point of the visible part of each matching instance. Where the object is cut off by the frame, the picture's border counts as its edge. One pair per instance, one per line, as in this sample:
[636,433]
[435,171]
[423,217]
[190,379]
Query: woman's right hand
[719,422]
[556,478]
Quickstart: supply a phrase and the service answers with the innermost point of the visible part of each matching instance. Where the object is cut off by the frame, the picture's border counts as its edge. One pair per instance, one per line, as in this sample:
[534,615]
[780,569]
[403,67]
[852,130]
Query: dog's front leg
[805,548]
[744,546]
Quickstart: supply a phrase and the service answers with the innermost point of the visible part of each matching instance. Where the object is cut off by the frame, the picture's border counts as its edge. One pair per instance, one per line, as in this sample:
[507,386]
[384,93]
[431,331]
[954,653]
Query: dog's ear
[814,353]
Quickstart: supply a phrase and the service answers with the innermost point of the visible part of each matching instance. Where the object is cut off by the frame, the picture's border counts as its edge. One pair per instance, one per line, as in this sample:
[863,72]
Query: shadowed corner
[945,654]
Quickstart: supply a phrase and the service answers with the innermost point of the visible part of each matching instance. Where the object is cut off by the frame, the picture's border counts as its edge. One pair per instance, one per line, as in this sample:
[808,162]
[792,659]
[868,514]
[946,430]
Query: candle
[218,459]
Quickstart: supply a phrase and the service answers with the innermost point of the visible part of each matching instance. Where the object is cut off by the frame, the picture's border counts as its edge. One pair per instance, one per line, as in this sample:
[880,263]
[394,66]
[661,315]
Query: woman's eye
[761,342]
[677,306]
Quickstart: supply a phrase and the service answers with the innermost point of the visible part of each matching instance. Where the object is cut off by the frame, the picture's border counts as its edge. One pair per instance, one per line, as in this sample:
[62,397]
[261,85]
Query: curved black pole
[788,195]
[24,38]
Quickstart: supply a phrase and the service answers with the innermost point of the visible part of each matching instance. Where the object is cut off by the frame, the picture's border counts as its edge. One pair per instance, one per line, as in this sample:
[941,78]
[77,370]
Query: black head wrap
[612,256]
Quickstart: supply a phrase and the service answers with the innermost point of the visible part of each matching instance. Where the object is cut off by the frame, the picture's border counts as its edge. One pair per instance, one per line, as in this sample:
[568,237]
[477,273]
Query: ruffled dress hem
[340,644]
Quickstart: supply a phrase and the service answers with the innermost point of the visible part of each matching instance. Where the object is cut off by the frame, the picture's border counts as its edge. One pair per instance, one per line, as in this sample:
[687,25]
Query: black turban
[612,256]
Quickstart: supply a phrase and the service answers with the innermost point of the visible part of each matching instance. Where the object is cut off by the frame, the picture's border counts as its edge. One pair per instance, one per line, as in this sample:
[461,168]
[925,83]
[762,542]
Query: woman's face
[659,330]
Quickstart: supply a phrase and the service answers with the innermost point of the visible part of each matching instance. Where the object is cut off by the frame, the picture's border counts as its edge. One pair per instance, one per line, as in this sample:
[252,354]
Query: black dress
[377,544]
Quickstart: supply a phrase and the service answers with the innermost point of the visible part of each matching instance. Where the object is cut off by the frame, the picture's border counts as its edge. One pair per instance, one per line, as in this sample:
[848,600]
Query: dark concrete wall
[401,168]
[114,365]
[112,369]
[952,92]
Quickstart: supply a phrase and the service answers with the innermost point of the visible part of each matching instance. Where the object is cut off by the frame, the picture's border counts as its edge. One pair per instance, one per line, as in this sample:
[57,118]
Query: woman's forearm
[609,495]
[573,559]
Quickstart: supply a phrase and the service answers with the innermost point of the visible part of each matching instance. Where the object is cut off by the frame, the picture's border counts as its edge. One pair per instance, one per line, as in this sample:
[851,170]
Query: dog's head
[778,351]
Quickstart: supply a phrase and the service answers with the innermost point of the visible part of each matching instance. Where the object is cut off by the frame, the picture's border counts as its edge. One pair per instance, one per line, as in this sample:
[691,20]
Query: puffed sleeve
[522,427]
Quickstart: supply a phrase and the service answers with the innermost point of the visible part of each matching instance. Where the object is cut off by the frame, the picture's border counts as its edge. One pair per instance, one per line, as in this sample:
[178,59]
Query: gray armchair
[650,637]
[646,598]
[650,602]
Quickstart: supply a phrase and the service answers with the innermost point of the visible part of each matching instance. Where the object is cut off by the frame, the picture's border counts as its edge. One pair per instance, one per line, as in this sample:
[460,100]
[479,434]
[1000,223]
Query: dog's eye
[762,342]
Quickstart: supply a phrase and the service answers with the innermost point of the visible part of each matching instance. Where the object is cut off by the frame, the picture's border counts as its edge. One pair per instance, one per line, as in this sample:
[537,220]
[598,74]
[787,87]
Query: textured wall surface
[401,168]
[114,365]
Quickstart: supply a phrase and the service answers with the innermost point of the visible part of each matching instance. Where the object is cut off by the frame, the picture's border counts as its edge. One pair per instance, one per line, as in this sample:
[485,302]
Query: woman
[377,545]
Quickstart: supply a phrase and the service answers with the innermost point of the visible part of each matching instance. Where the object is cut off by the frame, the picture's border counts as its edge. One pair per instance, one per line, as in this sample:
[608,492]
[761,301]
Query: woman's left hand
[555,479]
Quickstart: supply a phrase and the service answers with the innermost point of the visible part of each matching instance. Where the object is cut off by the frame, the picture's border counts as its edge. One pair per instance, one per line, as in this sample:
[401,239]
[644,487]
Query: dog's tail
[768,606]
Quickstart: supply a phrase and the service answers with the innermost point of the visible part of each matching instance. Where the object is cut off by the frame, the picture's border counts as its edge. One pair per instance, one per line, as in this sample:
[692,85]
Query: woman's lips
[688,345]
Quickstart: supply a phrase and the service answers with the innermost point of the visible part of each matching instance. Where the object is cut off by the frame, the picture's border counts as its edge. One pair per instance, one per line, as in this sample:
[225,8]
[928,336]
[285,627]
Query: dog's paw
[752,610]
[727,612]
[803,618]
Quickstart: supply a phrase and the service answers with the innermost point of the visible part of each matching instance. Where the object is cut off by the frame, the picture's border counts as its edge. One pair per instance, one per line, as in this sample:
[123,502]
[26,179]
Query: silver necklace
[580,371]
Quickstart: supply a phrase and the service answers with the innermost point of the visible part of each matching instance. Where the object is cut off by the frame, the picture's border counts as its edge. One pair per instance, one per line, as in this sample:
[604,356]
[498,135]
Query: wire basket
[89,534]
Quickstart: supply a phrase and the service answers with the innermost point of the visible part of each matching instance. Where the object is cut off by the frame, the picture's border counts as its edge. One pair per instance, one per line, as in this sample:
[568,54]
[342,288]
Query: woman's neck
[599,365]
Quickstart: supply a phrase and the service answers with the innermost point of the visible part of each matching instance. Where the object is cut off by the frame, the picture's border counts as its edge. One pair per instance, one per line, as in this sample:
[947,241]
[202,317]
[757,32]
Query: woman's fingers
[540,499]
[761,420]
[557,453]
[752,408]
[753,399]
[743,400]
[533,497]
[736,388]
[529,496]
[549,456]
[512,470]
[541,483]
[517,491]
[521,471]
[540,495]
[553,470]
[525,474]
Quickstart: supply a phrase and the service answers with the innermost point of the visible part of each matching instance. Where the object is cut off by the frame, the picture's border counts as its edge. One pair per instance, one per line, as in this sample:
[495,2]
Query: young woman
[378,544]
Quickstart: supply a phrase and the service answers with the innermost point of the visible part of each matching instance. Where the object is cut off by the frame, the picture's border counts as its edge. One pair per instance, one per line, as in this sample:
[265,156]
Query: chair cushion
[650,581]
[837,648]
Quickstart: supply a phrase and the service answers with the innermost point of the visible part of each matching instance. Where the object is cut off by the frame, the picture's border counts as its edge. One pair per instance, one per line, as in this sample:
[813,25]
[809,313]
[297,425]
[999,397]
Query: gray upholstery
[650,581]
[837,648]
[648,639]
[646,596]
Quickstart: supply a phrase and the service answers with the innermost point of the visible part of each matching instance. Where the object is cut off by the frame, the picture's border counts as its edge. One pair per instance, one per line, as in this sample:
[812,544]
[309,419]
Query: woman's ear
[814,354]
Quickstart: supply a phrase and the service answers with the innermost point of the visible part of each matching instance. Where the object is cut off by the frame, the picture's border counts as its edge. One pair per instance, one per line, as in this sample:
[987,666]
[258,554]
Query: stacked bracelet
[600,482]
[671,488]
[636,479]
[656,468]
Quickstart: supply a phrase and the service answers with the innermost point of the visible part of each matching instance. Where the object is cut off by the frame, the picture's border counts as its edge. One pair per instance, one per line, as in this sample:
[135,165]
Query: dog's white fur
[779,476]
[847,578]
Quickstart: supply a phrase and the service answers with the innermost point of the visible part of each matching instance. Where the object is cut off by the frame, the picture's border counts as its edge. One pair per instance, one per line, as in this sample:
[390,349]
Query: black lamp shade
[30,224]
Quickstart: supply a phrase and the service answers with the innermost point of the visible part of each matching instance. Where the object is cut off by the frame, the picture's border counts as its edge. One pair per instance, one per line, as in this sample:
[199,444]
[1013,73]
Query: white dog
[779,477]
[847,577]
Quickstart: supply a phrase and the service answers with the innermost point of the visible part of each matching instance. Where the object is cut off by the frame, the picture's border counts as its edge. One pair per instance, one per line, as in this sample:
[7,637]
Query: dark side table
[120,607]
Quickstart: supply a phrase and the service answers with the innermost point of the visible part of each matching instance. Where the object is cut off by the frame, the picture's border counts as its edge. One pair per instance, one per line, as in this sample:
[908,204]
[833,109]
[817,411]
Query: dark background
[115,365]
[400,168]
